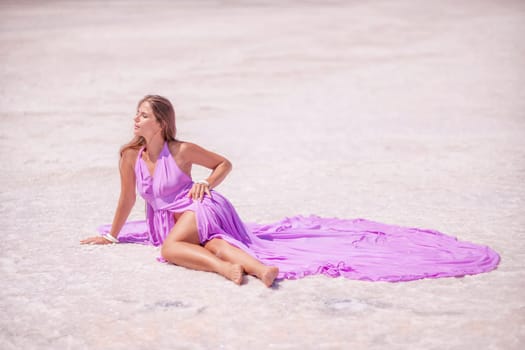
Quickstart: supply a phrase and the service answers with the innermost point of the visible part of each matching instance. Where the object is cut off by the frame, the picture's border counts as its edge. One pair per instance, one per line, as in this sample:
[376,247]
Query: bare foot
[268,275]
[234,272]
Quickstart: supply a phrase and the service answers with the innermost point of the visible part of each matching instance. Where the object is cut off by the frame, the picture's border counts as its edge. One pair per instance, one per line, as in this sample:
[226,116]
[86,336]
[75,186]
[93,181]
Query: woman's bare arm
[128,195]
[126,200]
[220,166]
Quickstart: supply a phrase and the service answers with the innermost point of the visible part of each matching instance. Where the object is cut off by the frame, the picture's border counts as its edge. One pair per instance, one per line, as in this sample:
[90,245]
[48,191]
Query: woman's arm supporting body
[126,200]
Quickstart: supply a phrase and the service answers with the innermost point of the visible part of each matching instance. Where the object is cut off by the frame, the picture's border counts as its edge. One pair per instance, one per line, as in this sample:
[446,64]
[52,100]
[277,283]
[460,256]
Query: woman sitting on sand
[175,198]
[198,228]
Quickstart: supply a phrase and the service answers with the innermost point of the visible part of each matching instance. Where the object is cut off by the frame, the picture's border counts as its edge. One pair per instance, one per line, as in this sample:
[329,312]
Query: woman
[199,229]
[184,245]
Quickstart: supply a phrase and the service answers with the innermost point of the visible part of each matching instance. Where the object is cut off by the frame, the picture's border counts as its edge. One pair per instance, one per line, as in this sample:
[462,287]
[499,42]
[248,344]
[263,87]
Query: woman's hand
[198,190]
[95,240]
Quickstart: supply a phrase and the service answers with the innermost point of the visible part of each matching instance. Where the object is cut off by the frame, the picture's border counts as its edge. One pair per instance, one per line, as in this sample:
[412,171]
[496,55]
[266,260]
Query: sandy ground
[405,112]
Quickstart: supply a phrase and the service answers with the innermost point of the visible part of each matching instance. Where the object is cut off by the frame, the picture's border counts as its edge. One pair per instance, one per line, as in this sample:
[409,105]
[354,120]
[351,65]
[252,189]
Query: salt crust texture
[404,112]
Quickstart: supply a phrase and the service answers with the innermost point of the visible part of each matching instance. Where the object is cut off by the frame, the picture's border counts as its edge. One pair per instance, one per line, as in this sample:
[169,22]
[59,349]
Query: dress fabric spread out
[300,246]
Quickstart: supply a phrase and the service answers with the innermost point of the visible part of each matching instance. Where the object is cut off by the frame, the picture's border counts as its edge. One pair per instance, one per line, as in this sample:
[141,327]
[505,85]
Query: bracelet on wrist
[110,238]
[203,182]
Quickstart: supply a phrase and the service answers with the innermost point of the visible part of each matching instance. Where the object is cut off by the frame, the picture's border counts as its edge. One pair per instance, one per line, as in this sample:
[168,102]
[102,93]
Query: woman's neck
[154,147]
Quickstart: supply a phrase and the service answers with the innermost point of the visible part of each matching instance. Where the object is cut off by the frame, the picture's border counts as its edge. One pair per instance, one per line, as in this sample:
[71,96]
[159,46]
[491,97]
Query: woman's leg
[224,250]
[181,247]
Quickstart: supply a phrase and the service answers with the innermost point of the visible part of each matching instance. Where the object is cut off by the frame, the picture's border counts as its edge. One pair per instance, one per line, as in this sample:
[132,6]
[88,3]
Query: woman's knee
[164,250]
[169,249]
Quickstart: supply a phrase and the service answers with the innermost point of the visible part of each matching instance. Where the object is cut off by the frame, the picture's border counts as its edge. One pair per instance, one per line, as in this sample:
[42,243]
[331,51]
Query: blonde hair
[164,114]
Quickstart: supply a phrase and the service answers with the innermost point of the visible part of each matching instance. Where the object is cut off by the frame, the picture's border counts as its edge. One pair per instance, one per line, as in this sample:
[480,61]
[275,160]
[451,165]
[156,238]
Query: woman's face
[146,125]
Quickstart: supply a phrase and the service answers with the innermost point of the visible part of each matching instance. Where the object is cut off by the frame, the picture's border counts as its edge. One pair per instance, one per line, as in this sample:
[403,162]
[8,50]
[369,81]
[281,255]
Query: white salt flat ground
[405,112]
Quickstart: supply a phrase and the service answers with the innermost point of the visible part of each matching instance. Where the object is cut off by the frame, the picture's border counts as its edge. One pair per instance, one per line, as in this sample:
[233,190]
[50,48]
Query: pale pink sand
[405,112]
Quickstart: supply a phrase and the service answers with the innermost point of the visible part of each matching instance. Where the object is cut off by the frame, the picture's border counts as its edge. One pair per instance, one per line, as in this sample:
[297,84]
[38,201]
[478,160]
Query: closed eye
[141,115]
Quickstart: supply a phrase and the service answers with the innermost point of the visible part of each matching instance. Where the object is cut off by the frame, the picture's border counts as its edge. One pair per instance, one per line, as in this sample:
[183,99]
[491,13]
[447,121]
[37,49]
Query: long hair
[164,114]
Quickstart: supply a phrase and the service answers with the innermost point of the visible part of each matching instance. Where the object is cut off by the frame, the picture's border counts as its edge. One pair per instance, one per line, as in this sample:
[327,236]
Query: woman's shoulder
[179,146]
[184,152]
[130,155]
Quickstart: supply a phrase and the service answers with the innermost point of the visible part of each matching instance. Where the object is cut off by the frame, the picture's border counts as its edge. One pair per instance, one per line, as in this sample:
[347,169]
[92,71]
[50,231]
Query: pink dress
[301,246]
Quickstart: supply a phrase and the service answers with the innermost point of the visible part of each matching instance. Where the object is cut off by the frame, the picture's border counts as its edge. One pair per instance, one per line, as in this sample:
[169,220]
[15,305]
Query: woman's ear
[162,124]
